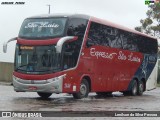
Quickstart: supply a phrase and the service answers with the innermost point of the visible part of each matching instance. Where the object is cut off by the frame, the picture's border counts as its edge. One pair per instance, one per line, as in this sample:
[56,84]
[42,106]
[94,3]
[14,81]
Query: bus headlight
[50,80]
[56,78]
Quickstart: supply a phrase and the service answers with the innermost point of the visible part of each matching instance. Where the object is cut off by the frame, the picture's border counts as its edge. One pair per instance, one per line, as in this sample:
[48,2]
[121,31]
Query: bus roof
[98,20]
[62,15]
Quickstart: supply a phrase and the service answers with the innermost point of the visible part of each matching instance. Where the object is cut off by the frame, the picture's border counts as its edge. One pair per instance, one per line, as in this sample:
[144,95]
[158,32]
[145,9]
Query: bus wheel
[44,95]
[134,88]
[140,88]
[84,90]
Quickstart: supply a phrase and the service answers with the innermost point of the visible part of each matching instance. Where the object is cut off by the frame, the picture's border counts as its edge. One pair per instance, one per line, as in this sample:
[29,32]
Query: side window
[147,45]
[97,35]
[116,38]
[104,35]
[71,50]
[139,43]
[70,55]
[76,27]
[130,41]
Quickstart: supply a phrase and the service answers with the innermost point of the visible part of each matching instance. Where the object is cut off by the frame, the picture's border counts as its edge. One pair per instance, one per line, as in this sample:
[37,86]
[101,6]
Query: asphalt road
[13,101]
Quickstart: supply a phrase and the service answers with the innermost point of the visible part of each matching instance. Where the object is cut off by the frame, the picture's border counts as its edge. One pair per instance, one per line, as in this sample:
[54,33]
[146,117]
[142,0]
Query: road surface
[27,101]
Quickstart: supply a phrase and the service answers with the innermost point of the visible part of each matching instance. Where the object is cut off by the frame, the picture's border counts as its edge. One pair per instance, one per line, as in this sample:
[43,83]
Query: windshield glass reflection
[37,59]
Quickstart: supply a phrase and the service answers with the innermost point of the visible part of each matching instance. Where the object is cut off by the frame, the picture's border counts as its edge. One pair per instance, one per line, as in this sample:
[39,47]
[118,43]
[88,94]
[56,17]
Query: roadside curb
[6,83]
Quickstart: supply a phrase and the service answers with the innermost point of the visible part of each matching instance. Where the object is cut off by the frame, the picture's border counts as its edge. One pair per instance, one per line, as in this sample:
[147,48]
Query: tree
[151,24]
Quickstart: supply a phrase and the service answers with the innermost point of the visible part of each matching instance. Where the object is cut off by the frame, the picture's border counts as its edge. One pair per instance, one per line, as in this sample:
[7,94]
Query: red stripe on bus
[35,77]
[37,42]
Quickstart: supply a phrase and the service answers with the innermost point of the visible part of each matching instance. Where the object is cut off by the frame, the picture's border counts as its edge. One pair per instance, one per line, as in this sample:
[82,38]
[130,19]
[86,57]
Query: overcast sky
[124,12]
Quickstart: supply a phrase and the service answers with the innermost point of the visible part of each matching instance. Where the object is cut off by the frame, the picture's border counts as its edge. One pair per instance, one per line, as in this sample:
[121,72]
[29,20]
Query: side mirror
[5,44]
[5,47]
[62,41]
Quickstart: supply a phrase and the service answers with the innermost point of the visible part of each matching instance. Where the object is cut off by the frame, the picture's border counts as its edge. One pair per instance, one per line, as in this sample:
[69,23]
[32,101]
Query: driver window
[70,55]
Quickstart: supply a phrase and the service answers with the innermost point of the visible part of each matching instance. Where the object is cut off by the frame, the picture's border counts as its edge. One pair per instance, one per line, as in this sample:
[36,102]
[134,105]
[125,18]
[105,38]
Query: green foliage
[138,29]
[151,24]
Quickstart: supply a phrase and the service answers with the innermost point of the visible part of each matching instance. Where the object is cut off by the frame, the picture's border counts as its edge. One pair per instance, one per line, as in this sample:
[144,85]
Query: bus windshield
[38,28]
[37,59]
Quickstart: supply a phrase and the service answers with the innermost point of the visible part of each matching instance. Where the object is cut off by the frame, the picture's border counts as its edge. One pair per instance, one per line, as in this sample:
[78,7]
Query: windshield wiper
[18,68]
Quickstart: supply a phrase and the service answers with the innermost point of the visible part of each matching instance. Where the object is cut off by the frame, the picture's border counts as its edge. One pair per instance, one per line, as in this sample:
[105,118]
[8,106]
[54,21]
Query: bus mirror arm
[62,41]
[5,44]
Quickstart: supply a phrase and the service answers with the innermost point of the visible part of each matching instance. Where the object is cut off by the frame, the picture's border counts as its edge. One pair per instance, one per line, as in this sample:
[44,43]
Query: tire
[134,89]
[104,93]
[84,90]
[44,95]
[126,93]
[140,88]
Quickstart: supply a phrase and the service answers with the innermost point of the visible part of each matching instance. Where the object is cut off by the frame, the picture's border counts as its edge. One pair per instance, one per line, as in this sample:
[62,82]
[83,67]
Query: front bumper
[53,85]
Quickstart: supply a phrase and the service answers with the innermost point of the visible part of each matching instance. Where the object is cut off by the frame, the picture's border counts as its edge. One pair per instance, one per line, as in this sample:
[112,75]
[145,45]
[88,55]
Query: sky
[124,12]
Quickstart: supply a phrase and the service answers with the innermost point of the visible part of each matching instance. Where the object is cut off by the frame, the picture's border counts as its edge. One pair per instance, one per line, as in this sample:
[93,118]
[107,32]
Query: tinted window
[76,27]
[147,45]
[37,59]
[98,34]
[42,28]
[116,38]
[71,50]
[106,36]
[129,41]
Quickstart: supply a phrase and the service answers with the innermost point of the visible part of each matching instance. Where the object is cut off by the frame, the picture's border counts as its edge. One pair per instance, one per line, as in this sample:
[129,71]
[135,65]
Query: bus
[78,54]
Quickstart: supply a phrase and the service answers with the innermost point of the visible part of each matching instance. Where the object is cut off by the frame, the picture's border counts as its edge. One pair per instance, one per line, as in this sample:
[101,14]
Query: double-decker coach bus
[78,54]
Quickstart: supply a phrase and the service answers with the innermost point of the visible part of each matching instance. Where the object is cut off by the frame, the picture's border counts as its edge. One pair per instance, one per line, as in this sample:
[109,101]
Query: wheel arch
[135,78]
[131,82]
[138,80]
[85,84]
[86,77]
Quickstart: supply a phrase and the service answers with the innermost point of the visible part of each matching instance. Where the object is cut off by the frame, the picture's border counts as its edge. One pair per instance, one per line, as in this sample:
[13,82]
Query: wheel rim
[83,89]
[141,88]
[135,89]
